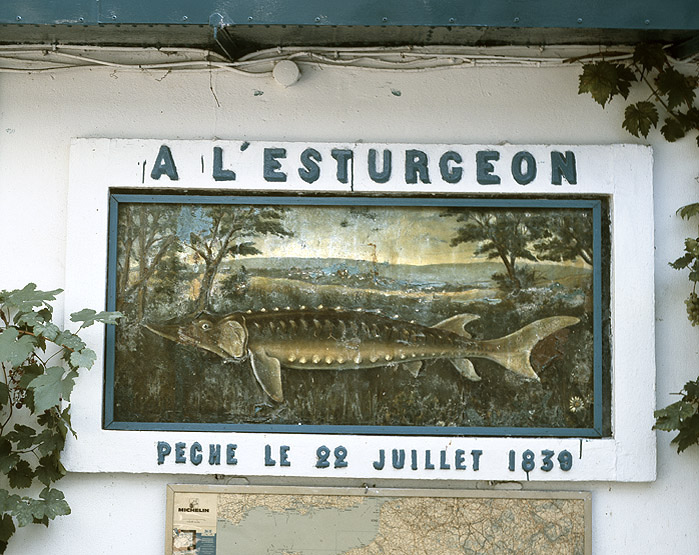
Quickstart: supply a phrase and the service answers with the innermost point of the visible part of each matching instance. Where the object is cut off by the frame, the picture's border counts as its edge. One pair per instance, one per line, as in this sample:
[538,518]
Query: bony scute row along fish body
[337,339]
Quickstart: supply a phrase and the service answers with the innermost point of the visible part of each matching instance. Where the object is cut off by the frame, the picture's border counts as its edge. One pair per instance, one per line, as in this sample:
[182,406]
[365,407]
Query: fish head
[225,336]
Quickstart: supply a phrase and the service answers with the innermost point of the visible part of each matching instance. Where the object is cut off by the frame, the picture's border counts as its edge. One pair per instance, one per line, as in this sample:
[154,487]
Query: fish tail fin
[514,351]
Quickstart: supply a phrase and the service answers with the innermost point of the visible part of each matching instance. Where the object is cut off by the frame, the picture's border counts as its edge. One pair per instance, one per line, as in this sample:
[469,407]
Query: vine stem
[655,93]
[9,416]
[24,332]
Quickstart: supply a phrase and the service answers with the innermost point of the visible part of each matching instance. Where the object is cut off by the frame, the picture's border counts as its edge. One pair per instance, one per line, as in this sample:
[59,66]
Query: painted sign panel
[362,315]
[219,520]
[361,310]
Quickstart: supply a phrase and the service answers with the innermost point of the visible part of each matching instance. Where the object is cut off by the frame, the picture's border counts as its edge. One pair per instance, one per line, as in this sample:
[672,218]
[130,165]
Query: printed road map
[264,524]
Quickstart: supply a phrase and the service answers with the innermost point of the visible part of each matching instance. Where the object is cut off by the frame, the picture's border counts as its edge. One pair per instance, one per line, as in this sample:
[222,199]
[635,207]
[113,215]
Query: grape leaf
[83,359]
[671,417]
[50,469]
[29,400]
[689,210]
[692,116]
[70,340]
[23,512]
[15,349]
[48,419]
[56,504]
[8,501]
[67,384]
[678,88]
[4,394]
[624,79]
[44,520]
[639,117]
[650,56]
[23,436]
[600,79]
[688,434]
[28,297]
[7,528]
[8,459]
[21,476]
[672,130]
[49,441]
[49,331]
[691,246]
[692,391]
[682,262]
[65,424]
[47,388]
[88,317]
[30,318]
[29,372]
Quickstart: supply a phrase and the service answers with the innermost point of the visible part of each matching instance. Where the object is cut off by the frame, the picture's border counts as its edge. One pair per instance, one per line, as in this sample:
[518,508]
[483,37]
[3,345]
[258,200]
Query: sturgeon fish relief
[341,340]
[395,314]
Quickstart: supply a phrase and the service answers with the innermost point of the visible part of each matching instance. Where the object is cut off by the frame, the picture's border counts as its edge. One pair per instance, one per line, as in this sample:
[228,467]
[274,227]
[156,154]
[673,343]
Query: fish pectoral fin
[268,373]
[465,368]
[232,338]
[456,324]
[414,367]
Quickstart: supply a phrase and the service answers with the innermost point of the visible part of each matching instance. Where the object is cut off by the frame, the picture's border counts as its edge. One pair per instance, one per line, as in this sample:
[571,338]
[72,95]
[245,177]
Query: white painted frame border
[621,172]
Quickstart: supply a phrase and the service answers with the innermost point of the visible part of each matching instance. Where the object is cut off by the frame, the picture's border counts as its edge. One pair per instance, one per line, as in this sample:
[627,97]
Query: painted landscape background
[508,266]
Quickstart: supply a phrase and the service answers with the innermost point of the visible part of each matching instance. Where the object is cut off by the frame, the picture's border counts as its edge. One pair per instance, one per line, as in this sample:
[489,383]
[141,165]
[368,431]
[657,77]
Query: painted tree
[220,232]
[145,233]
[570,237]
[507,236]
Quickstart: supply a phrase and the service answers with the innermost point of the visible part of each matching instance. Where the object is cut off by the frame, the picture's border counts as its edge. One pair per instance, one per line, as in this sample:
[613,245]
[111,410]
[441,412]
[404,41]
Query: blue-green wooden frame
[572,14]
[476,202]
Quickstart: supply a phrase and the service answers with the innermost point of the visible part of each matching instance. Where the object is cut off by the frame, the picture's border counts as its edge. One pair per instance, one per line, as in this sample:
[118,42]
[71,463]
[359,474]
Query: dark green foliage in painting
[39,364]
[568,237]
[671,92]
[505,236]
[169,280]
[145,235]
[234,285]
[219,233]
[511,237]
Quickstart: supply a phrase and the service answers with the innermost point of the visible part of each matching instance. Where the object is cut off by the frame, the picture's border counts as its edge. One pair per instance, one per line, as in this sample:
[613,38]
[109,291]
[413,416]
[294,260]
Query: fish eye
[206,326]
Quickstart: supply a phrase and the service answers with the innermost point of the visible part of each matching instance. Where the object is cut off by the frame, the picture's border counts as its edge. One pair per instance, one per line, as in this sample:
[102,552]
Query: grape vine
[671,93]
[35,392]
[683,415]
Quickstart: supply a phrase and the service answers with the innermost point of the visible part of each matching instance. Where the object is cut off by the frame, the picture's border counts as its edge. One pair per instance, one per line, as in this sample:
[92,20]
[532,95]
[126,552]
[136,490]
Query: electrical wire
[409,59]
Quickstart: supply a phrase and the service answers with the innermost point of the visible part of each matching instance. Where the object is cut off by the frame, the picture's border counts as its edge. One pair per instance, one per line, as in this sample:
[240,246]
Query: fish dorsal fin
[465,368]
[456,324]
[414,367]
[268,373]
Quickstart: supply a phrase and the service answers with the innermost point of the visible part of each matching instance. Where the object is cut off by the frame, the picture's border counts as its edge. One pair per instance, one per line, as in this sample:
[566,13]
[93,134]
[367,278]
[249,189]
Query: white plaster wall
[39,114]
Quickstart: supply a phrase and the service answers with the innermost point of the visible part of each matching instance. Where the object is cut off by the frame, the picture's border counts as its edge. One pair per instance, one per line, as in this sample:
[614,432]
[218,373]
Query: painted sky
[412,235]
[397,235]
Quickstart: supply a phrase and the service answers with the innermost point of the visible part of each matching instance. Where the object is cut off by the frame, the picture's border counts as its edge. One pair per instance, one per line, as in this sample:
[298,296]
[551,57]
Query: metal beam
[567,14]
[686,49]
